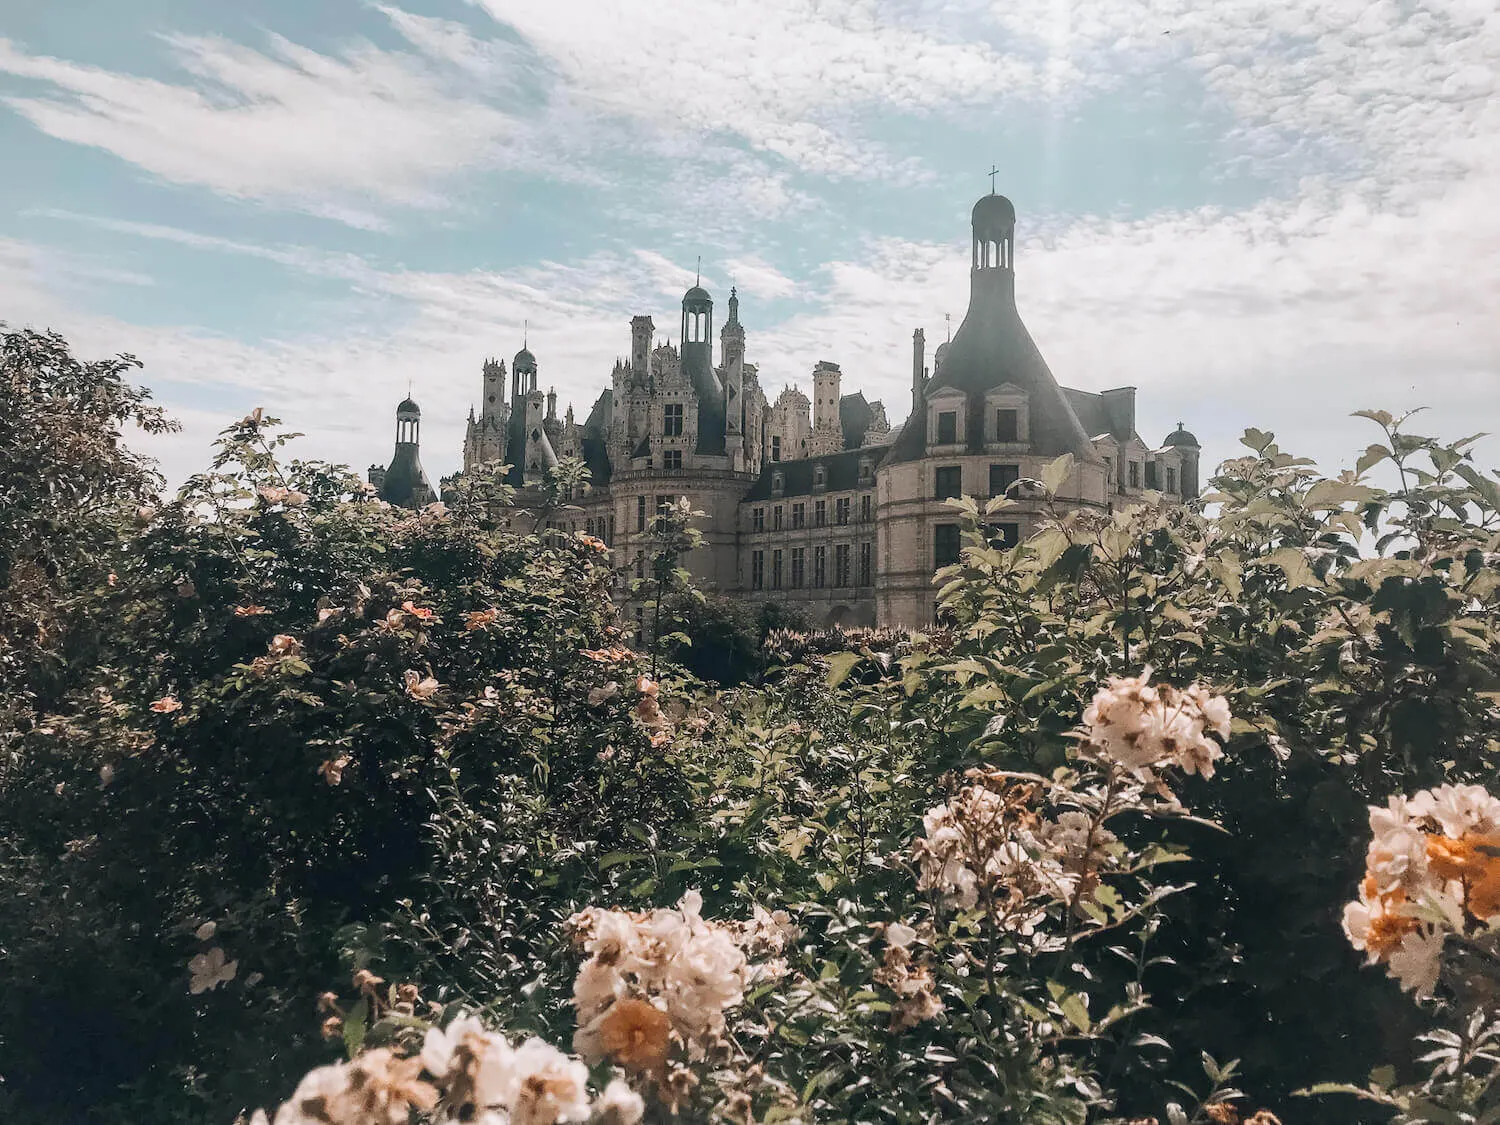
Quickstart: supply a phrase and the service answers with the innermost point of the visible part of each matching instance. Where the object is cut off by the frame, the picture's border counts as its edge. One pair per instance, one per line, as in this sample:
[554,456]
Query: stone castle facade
[818,503]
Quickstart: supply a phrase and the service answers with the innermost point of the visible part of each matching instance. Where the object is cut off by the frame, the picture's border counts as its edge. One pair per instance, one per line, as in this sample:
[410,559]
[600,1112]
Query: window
[819,476]
[865,505]
[841,565]
[671,459]
[758,519]
[610,540]
[799,515]
[841,510]
[640,564]
[672,419]
[1002,477]
[757,569]
[945,544]
[640,513]
[1005,534]
[947,428]
[778,482]
[775,570]
[1007,424]
[775,447]
[640,624]
[949,480]
[588,527]
[820,513]
[1135,474]
[776,518]
[864,563]
[1151,478]
[820,566]
[663,503]
[799,567]
[866,471]
[1171,479]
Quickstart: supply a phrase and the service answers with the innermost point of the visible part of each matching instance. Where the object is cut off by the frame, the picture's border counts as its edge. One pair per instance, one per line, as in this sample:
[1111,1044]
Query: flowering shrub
[1046,864]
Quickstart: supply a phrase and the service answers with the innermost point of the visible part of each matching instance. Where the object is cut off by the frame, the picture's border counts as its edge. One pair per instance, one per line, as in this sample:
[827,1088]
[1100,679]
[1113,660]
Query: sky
[1263,213]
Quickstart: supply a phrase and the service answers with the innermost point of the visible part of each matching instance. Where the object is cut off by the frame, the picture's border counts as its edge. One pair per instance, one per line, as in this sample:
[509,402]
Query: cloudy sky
[1259,212]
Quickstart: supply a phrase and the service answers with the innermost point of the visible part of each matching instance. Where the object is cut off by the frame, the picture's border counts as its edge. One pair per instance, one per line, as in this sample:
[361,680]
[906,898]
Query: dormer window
[1007,424]
[778,482]
[819,477]
[866,471]
[947,427]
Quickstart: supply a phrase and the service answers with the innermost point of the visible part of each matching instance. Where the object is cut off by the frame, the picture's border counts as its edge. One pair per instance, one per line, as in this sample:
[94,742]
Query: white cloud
[341,136]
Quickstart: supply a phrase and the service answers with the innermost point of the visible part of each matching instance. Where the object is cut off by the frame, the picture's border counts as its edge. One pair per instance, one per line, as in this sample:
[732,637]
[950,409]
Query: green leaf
[354,1027]
[1075,1008]
[1055,475]
[840,664]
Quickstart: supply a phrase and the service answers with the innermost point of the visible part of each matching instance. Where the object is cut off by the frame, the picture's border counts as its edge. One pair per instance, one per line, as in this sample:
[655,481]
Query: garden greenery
[315,810]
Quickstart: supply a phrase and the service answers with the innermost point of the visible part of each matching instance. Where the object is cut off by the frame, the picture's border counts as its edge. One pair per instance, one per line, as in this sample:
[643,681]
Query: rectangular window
[1005,535]
[1007,425]
[950,482]
[757,569]
[775,570]
[947,428]
[841,510]
[1171,479]
[799,567]
[946,541]
[799,515]
[865,506]
[775,447]
[841,565]
[1151,477]
[672,419]
[1135,474]
[1002,477]
[820,513]
[671,459]
[640,564]
[758,519]
[664,502]
[640,513]
[776,518]
[610,540]
[820,566]
[864,563]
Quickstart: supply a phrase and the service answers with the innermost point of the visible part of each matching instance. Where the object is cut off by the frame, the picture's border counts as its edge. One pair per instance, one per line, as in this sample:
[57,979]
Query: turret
[642,331]
[698,366]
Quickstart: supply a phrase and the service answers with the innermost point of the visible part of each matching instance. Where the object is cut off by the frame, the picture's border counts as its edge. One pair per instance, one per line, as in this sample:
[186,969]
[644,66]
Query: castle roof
[992,348]
[405,478]
[841,473]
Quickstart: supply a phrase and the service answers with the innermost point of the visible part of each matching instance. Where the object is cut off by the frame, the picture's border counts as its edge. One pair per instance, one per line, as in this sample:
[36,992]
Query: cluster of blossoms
[464,1072]
[908,978]
[989,844]
[662,979]
[1432,868]
[1142,727]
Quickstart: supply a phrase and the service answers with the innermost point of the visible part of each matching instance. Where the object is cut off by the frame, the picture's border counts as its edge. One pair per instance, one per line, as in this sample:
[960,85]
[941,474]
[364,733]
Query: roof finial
[526,334]
[698,273]
[948,320]
[994,171]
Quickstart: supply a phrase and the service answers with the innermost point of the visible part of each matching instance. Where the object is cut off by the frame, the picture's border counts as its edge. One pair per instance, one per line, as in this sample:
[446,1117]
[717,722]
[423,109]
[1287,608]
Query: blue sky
[1258,212]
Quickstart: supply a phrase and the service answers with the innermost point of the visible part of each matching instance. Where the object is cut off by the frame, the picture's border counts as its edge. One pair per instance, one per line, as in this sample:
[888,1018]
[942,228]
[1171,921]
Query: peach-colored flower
[593,543]
[332,770]
[250,610]
[419,612]
[479,618]
[166,705]
[645,685]
[634,1034]
[614,654]
[284,644]
[419,686]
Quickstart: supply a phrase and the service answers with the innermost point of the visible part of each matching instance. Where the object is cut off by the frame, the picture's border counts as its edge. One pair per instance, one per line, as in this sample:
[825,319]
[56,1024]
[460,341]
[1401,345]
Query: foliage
[292,737]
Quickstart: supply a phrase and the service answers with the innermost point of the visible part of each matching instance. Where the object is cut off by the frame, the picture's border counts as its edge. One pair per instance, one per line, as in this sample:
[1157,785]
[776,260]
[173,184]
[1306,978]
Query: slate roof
[855,417]
[403,478]
[842,473]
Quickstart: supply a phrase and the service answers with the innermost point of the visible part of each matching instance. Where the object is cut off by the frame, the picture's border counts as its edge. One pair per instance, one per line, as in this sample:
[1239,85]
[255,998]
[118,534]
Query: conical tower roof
[992,348]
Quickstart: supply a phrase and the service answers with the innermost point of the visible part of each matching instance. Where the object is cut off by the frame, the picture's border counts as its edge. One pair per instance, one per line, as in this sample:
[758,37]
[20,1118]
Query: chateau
[820,504]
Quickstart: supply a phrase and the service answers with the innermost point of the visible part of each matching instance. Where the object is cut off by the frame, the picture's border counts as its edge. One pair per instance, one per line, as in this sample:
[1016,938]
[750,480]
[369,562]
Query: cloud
[342,136]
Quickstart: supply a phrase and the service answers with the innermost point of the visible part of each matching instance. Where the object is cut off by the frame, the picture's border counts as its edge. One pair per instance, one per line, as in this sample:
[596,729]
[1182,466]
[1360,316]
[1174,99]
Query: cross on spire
[993,172]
